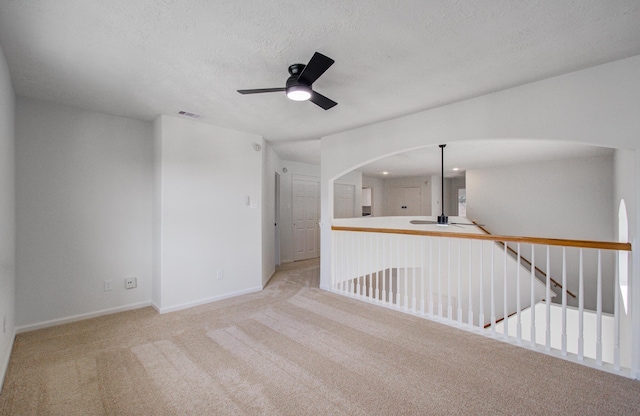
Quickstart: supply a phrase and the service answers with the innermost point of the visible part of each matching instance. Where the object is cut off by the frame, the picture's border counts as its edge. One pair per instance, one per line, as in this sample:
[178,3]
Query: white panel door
[306,214]
[413,201]
[344,200]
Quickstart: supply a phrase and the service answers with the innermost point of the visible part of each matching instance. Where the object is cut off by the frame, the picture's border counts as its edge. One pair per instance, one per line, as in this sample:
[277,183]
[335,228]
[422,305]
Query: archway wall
[598,106]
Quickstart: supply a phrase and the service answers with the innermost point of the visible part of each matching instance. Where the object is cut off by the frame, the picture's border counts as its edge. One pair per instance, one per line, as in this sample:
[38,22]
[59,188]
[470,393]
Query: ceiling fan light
[298,93]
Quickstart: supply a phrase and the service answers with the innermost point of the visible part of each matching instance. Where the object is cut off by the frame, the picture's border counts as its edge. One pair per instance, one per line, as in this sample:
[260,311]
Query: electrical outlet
[220,274]
[130,282]
[108,285]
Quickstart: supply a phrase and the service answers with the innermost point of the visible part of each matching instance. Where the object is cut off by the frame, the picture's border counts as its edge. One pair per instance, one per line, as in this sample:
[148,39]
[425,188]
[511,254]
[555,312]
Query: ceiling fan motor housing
[296,69]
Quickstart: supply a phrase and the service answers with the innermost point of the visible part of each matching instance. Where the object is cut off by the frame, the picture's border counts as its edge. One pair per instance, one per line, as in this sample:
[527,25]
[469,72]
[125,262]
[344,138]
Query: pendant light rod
[442,219]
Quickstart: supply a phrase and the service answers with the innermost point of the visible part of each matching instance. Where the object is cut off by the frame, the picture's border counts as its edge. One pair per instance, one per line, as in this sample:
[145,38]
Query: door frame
[276,219]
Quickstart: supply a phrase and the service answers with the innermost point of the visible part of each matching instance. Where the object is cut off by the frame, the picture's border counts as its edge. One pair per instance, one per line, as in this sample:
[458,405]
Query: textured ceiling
[143,58]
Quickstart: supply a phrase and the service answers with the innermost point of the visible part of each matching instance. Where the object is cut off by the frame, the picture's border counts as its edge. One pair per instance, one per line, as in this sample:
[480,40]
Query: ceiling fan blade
[259,91]
[322,101]
[316,67]
[422,222]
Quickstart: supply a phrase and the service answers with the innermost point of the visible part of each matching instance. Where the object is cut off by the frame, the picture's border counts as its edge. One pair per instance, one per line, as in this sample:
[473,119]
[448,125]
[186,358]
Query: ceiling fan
[299,84]
[443,220]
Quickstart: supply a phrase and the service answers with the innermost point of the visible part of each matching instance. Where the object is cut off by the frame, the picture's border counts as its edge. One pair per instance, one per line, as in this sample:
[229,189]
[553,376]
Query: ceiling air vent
[188,114]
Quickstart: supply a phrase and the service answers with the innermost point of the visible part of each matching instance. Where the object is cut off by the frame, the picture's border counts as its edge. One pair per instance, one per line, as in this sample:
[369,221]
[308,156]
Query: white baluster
[384,268]
[616,318]
[564,302]
[493,300]
[481,313]
[334,260]
[449,306]
[505,309]
[599,312]
[363,263]
[413,283]
[581,311]
[533,298]
[340,249]
[351,264]
[518,307]
[470,318]
[360,248]
[388,268]
[548,303]
[431,306]
[370,267]
[377,267]
[440,277]
[459,312]
[423,265]
[406,274]
[359,264]
[398,275]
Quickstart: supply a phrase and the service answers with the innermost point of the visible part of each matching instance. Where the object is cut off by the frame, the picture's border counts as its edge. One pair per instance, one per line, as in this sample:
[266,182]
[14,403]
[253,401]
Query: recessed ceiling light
[456,169]
[385,173]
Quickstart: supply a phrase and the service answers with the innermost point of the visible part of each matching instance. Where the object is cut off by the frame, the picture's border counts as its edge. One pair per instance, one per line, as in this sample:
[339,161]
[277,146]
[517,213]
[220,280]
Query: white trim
[208,300]
[5,364]
[80,317]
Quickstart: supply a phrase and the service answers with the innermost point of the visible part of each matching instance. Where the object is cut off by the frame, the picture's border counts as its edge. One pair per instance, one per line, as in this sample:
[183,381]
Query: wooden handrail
[501,319]
[602,245]
[525,260]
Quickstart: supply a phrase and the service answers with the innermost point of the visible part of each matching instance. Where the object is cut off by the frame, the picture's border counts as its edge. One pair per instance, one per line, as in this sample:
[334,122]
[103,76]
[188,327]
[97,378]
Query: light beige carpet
[293,350]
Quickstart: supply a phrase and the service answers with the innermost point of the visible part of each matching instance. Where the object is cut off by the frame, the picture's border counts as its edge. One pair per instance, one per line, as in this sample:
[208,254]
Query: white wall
[84,203]
[272,165]
[436,195]
[452,186]
[377,189]
[599,105]
[624,187]
[558,199]
[354,178]
[569,198]
[287,241]
[7,217]
[207,174]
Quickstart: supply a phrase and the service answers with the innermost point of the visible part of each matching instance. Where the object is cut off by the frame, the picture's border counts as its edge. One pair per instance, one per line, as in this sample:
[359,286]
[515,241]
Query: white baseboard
[207,300]
[60,321]
[5,361]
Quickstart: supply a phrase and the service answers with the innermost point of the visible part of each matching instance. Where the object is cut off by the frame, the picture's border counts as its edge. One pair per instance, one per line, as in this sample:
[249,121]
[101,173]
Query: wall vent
[188,114]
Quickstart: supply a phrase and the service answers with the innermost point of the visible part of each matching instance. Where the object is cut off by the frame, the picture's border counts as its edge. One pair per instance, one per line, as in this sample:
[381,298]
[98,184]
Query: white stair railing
[469,281]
